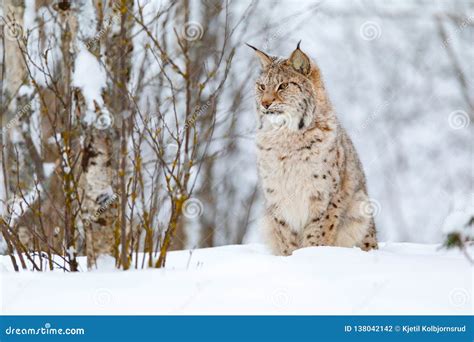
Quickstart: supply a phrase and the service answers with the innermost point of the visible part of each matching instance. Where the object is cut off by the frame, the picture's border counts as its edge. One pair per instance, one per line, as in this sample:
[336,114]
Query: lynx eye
[261,86]
[283,86]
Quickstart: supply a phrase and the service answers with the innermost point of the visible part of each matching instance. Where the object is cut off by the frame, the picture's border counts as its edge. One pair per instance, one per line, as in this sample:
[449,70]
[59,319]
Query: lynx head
[284,91]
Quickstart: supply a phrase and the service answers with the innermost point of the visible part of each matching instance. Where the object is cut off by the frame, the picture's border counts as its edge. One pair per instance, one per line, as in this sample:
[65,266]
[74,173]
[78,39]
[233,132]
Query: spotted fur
[313,183]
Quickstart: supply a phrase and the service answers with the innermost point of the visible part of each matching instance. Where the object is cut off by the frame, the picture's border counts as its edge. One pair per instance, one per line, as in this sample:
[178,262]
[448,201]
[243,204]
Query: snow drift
[399,278]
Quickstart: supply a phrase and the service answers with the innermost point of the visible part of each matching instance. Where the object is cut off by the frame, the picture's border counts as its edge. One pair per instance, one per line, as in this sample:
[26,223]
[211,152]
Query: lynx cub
[313,183]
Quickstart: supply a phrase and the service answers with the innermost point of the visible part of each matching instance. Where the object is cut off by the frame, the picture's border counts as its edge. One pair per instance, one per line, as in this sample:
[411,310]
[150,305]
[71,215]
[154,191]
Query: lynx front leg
[370,239]
[357,228]
[321,231]
[313,235]
[282,240]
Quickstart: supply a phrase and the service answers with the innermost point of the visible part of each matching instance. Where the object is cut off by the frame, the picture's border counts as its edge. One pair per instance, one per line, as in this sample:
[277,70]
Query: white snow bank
[397,279]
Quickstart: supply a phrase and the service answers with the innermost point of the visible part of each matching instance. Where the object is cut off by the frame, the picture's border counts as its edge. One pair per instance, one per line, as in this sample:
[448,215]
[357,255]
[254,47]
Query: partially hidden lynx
[313,183]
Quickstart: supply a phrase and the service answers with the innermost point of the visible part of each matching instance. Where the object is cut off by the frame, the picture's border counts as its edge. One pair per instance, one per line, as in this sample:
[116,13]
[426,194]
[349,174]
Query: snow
[90,76]
[87,20]
[16,206]
[32,16]
[399,99]
[399,278]
[458,220]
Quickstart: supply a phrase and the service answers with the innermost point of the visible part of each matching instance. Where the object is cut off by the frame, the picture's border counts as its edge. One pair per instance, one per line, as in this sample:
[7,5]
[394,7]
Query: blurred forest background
[128,126]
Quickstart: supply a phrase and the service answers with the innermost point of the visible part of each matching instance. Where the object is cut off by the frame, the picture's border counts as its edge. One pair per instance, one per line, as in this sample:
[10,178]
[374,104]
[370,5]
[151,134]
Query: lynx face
[283,92]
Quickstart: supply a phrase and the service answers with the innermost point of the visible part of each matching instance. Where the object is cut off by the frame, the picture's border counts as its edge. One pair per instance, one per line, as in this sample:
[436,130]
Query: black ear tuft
[265,60]
[252,47]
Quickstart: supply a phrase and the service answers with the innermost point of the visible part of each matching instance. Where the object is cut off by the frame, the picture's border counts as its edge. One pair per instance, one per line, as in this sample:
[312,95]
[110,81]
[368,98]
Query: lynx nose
[267,103]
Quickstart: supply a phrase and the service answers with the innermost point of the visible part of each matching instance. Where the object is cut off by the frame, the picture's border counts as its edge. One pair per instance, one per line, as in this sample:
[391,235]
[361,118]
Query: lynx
[313,183]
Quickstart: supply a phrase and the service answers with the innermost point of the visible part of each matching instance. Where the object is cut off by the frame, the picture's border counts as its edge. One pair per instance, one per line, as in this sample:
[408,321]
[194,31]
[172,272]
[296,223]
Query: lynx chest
[293,175]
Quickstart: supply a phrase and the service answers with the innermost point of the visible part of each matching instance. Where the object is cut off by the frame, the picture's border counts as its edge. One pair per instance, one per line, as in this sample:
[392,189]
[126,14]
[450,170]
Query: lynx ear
[265,60]
[299,61]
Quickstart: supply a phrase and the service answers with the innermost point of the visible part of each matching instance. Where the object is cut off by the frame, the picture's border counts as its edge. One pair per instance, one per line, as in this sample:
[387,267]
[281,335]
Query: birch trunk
[104,161]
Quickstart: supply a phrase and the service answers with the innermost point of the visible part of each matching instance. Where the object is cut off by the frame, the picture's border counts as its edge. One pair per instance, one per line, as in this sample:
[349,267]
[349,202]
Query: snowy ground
[399,278]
